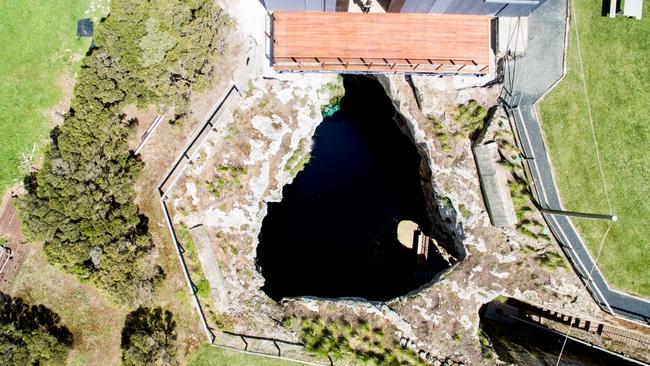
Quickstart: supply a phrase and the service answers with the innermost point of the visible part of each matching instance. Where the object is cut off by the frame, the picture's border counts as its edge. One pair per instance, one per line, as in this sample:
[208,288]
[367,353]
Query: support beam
[581,215]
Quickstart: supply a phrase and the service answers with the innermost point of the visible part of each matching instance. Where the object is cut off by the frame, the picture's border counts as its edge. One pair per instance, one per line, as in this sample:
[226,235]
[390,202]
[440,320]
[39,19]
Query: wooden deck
[353,42]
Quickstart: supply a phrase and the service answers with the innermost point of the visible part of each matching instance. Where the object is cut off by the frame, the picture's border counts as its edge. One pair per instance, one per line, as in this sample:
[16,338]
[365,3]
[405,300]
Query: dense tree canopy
[31,335]
[149,338]
[80,203]
[170,47]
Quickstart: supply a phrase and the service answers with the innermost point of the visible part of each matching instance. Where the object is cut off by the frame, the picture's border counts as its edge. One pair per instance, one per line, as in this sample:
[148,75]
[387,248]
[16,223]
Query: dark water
[334,232]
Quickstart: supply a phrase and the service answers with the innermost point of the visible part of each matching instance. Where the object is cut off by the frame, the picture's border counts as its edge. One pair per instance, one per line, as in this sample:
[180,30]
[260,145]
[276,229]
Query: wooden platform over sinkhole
[392,42]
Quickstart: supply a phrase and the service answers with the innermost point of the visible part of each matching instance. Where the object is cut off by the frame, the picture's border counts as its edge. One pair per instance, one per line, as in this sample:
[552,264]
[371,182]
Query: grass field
[615,57]
[39,45]
[212,356]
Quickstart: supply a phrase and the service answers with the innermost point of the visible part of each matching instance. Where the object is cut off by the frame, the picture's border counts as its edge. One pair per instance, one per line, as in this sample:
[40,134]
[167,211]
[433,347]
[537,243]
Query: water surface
[334,232]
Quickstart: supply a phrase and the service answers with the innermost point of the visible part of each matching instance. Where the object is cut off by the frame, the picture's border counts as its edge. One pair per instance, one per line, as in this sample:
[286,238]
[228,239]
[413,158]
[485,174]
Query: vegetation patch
[619,106]
[190,254]
[467,120]
[487,349]
[149,338]
[81,202]
[31,335]
[470,117]
[191,257]
[355,342]
[208,355]
[552,260]
[528,224]
[226,179]
[40,53]
[336,90]
[297,161]
[464,211]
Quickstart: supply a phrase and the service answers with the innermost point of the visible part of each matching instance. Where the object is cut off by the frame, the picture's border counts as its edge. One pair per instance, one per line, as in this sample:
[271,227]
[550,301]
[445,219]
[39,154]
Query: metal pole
[579,214]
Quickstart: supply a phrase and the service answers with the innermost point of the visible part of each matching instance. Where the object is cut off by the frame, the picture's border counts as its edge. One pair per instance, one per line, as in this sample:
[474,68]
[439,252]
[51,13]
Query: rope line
[600,163]
[591,120]
[566,337]
[600,248]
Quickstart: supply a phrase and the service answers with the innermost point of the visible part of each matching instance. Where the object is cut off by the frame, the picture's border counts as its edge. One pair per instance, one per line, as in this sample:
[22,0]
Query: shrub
[470,116]
[336,90]
[227,177]
[357,342]
[297,161]
[149,337]
[487,350]
[31,335]
[80,203]
[552,260]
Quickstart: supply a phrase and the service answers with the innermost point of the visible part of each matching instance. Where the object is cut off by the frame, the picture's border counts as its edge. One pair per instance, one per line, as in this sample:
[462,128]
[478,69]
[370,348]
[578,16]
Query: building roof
[380,42]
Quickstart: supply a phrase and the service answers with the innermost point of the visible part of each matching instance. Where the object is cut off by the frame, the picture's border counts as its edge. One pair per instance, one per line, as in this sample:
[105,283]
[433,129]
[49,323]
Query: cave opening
[334,234]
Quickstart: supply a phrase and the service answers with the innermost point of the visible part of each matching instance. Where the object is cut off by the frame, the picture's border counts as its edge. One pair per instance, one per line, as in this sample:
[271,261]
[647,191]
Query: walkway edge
[615,302]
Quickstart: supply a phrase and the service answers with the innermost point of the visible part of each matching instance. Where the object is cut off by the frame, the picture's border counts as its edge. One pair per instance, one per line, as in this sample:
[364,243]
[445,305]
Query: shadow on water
[334,232]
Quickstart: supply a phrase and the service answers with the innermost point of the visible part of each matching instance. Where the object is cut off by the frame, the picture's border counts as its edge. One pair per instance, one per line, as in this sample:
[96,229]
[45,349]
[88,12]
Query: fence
[170,179]
[521,137]
[260,346]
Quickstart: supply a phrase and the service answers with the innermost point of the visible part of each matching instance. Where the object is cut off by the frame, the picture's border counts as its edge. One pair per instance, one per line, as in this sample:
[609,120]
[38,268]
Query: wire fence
[167,184]
[260,346]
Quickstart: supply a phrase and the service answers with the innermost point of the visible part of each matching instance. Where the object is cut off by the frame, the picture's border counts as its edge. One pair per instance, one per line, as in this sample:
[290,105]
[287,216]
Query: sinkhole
[334,234]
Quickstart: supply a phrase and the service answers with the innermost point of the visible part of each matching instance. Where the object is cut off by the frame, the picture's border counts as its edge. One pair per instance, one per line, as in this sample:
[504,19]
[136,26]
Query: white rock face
[276,120]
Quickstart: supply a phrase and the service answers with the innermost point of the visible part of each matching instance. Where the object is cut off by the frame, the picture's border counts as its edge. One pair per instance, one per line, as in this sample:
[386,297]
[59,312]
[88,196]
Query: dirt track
[9,221]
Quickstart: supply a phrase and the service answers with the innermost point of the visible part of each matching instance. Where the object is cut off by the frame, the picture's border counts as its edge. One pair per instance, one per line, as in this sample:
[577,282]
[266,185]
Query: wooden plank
[379,36]
[381,68]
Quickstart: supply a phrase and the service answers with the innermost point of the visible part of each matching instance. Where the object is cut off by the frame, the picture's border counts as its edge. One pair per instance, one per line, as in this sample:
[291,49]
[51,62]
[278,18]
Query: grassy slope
[213,356]
[615,57]
[94,321]
[38,43]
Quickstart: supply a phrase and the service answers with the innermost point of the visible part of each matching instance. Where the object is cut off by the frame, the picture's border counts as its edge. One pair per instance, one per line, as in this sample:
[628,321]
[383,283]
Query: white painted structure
[633,8]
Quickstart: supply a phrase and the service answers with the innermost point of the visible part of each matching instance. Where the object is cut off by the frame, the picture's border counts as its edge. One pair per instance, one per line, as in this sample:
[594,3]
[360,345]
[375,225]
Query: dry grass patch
[94,321]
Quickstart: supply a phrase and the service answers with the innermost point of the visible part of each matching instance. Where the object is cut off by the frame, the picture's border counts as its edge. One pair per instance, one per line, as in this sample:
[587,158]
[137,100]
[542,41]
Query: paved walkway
[531,77]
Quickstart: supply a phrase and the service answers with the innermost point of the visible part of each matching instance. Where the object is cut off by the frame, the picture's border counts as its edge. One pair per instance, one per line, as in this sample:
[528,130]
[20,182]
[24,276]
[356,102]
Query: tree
[149,337]
[31,335]
[80,203]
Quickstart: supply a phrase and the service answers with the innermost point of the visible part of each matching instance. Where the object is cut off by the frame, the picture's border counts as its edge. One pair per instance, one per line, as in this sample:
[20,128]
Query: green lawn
[214,356]
[39,43]
[615,55]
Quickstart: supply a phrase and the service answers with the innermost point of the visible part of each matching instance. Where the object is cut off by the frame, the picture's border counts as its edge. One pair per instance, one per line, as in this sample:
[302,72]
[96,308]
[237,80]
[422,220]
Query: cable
[591,121]
[600,164]
[566,337]
[600,248]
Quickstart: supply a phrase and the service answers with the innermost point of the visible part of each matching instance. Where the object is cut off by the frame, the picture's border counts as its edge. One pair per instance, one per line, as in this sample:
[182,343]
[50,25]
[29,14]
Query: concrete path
[530,78]
[210,268]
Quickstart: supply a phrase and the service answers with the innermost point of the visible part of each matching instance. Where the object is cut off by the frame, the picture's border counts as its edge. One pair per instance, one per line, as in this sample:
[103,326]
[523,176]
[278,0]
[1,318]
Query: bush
[169,48]
[31,335]
[358,342]
[81,202]
[149,337]
[227,178]
[470,116]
